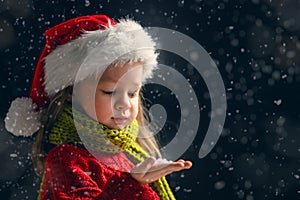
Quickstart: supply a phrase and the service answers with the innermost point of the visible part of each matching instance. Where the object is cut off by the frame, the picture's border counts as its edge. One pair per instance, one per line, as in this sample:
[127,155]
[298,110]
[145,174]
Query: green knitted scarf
[97,137]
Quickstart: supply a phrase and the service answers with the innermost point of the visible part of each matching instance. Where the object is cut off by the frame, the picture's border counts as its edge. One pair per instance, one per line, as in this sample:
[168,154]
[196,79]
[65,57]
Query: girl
[92,139]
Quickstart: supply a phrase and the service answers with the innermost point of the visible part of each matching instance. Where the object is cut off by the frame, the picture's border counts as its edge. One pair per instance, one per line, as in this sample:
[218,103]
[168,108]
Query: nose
[122,102]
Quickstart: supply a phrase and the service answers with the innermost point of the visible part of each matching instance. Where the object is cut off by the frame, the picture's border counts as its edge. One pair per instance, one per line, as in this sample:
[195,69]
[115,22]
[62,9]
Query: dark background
[256,47]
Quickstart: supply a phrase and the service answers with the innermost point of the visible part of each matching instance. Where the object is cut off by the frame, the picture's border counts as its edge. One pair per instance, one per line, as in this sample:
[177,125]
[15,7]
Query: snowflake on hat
[75,50]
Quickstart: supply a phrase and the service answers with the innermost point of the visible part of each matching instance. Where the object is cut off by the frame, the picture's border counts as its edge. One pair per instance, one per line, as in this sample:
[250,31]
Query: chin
[116,126]
[119,127]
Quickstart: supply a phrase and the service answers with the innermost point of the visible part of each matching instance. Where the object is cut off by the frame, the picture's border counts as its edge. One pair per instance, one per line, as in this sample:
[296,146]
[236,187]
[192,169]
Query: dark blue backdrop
[256,47]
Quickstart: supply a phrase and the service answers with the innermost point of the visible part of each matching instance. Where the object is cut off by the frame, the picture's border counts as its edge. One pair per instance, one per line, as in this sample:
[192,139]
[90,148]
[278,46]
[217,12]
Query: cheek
[135,105]
[90,109]
[83,96]
[102,105]
[101,99]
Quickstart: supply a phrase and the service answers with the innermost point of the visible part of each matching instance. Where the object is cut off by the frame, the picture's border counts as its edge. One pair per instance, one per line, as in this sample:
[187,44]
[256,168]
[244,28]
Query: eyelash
[108,92]
[131,94]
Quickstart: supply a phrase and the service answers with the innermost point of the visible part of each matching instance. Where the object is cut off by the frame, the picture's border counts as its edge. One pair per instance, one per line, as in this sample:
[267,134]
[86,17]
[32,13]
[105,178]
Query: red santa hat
[74,50]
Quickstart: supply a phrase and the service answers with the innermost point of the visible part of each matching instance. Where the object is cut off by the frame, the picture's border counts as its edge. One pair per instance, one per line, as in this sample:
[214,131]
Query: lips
[120,119]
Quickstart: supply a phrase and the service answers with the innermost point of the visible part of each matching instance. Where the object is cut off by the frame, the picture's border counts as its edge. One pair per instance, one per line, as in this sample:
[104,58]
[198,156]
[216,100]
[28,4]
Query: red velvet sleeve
[72,173]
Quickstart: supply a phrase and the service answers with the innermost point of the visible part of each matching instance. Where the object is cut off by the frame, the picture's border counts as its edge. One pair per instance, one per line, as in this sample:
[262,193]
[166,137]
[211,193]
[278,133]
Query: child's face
[116,95]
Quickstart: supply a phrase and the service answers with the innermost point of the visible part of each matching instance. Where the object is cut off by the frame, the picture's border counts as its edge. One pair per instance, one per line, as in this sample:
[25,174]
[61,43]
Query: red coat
[73,173]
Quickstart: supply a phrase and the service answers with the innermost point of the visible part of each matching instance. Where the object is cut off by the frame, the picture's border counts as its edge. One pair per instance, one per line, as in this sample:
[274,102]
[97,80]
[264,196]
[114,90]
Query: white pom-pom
[22,119]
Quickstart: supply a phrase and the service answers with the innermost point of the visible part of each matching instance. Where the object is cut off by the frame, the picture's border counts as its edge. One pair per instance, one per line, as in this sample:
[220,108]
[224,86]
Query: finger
[152,175]
[180,160]
[162,163]
[159,164]
[188,164]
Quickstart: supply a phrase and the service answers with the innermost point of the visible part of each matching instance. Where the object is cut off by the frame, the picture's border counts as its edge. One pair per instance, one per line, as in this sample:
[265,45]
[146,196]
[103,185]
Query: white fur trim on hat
[22,119]
[95,50]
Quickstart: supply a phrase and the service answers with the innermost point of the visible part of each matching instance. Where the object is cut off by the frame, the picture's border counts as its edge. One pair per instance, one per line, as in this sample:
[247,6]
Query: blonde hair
[145,138]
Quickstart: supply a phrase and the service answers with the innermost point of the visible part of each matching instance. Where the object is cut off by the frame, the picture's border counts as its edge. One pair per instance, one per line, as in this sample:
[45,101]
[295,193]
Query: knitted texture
[73,173]
[99,138]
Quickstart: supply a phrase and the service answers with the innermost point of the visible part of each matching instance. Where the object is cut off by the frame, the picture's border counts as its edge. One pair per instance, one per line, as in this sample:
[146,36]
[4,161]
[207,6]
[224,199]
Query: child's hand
[150,170]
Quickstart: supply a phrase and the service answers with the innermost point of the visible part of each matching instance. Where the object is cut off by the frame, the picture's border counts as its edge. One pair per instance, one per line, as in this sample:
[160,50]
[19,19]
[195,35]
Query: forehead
[128,71]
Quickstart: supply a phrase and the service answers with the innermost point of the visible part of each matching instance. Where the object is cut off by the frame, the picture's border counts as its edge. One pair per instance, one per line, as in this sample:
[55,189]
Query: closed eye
[133,94]
[130,94]
[108,92]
